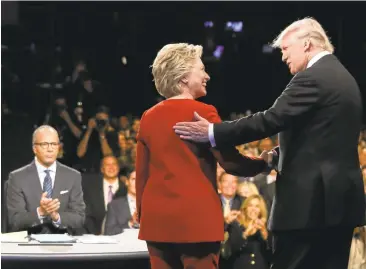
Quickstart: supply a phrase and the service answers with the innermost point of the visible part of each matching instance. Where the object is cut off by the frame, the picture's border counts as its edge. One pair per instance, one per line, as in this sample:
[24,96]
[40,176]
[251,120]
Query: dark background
[102,32]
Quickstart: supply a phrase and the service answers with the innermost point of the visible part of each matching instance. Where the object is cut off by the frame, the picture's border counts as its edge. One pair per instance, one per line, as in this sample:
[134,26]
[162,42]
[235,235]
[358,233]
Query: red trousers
[184,255]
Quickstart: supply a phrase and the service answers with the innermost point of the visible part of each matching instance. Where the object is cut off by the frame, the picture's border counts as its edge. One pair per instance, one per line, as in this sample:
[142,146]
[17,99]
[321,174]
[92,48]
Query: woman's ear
[184,80]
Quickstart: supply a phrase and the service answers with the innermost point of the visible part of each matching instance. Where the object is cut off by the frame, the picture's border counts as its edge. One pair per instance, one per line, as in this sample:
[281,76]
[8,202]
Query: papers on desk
[17,237]
[53,238]
[97,239]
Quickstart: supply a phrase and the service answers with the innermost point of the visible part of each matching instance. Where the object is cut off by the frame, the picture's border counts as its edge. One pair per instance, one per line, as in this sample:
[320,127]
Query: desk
[128,253]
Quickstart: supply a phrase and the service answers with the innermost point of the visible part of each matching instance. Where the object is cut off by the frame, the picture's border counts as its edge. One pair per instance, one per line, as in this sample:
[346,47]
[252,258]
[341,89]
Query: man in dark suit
[121,213]
[231,203]
[319,190]
[45,192]
[99,190]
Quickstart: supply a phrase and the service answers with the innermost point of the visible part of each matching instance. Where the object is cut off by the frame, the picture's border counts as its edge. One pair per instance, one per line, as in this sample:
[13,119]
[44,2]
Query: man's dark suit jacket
[266,190]
[94,201]
[118,215]
[318,116]
[24,193]
[236,204]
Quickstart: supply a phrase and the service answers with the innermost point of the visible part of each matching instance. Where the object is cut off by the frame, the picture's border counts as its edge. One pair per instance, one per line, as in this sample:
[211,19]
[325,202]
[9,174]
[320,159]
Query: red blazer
[176,192]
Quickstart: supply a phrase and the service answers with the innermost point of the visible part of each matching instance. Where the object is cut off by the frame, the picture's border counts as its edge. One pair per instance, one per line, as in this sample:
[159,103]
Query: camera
[101,123]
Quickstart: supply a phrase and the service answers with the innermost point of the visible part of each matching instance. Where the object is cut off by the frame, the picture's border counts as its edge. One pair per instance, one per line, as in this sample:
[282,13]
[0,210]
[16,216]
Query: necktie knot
[47,172]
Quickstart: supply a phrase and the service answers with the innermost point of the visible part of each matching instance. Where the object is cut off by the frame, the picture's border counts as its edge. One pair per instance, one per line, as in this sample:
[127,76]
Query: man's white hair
[306,28]
[40,129]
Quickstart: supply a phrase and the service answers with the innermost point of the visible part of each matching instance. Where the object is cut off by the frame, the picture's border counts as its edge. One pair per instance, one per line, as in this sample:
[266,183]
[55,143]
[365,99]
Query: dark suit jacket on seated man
[121,212]
[45,191]
[99,191]
[319,196]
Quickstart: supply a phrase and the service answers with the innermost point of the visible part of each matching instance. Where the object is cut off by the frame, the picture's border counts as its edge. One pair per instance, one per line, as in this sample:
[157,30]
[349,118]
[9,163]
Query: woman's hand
[250,230]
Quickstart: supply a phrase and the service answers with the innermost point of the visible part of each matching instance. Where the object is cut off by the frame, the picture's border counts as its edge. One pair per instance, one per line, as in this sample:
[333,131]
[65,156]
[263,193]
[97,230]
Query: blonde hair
[243,219]
[251,186]
[173,62]
[306,28]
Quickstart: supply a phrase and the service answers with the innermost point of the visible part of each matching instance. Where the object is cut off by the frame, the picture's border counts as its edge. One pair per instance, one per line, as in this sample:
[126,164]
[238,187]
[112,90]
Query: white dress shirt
[106,184]
[41,175]
[132,205]
[313,60]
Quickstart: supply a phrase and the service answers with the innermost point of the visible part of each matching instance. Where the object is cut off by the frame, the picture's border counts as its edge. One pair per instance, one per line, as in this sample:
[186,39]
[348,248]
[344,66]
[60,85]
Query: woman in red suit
[177,202]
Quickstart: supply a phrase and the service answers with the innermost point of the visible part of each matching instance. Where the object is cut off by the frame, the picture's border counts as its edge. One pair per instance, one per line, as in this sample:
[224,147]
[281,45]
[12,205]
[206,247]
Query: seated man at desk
[45,192]
[99,191]
[121,213]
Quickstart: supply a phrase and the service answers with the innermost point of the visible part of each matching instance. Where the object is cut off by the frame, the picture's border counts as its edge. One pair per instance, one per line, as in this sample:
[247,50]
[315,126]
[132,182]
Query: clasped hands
[254,226]
[49,207]
[134,221]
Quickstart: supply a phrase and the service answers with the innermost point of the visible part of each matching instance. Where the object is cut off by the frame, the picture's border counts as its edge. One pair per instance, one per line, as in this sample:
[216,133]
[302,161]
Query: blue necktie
[47,184]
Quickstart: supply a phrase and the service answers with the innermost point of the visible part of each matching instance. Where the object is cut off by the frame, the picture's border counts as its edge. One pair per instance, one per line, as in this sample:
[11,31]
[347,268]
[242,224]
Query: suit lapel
[99,199]
[127,206]
[57,187]
[34,181]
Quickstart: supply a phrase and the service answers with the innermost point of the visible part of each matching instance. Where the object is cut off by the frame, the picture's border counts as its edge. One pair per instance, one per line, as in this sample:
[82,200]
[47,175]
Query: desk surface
[128,247]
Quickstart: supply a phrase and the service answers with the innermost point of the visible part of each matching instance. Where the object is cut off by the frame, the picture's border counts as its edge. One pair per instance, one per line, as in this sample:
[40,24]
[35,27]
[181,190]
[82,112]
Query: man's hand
[134,222]
[43,204]
[233,214]
[52,206]
[267,156]
[64,115]
[55,216]
[194,131]
[92,124]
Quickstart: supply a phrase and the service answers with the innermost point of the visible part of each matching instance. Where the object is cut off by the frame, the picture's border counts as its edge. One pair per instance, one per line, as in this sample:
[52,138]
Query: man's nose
[284,58]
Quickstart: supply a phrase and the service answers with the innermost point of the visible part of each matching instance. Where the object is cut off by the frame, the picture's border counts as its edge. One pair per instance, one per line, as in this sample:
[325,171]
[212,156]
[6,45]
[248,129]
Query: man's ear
[307,44]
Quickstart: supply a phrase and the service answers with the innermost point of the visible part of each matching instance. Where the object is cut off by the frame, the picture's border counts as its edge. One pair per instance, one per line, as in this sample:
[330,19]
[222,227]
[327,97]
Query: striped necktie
[47,184]
[110,194]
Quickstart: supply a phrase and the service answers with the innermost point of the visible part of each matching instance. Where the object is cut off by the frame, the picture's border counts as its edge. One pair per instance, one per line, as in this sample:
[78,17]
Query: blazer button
[252,255]
[253,262]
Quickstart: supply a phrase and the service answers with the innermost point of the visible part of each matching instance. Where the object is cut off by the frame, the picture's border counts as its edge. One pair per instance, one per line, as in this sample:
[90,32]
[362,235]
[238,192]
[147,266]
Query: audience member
[99,191]
[99,140]
[121,213]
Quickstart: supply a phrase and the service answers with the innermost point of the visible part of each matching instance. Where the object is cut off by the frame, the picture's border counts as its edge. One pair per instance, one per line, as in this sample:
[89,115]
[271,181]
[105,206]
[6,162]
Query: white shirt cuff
[211,135]
[58,222]
[39,216]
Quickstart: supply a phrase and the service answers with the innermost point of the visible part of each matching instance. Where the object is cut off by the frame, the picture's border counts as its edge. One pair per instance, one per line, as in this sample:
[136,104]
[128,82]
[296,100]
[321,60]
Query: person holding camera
[69,126]
[99,140]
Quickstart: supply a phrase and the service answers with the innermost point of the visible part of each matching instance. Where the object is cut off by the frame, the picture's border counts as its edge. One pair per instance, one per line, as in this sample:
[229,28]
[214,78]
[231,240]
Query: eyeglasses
[45,145]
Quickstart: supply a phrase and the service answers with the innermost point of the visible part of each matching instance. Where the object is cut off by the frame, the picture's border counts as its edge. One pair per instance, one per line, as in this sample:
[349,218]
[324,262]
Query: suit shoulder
[68,169]
[20,170]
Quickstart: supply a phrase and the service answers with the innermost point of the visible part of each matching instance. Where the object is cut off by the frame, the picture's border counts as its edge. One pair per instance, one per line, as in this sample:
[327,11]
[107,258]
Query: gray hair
[306,28]
[40,129]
